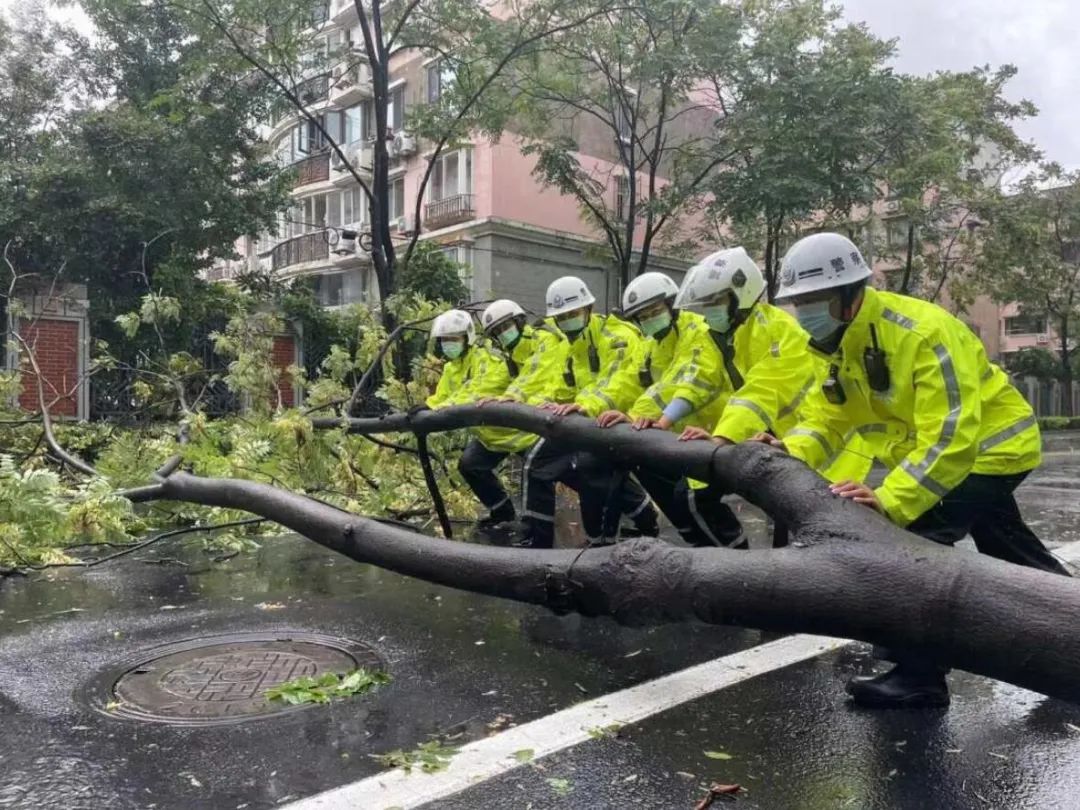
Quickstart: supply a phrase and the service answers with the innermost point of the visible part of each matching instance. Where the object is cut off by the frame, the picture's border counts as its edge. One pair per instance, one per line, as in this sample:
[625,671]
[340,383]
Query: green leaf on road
[717,755]
[562,787]
[524,755]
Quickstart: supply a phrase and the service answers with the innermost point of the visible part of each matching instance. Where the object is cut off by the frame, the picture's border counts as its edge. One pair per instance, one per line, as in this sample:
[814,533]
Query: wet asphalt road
[465,666]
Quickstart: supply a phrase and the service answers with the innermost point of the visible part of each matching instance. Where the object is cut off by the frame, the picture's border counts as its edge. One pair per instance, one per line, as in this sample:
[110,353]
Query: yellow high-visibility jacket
[535,360]
[774,373]
[947,411]
[591,362]
[643,367]
[480,373]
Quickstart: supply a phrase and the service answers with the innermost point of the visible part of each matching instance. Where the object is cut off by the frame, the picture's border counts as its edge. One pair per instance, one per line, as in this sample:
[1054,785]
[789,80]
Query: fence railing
[1048,397]
[449,211]
[308,247]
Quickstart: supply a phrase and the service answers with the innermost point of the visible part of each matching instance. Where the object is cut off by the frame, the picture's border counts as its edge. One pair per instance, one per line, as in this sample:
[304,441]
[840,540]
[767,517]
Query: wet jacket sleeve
[449,381]
[541,377]
[819,434]
[618,344]
[489,379]
[621,390]
[694,375]
[947,413]
[773,389]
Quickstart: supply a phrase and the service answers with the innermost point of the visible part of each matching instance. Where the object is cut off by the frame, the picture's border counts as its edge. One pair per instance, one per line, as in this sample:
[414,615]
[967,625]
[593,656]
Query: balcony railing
[449,211]
[308,247]
[312,169]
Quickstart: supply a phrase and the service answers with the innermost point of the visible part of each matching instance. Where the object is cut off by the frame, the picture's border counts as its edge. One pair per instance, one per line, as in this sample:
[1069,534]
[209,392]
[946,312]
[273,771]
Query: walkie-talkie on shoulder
[877,370]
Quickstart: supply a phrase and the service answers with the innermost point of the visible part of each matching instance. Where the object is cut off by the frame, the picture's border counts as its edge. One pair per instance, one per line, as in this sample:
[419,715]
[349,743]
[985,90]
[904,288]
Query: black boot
[901,687]
[503,513]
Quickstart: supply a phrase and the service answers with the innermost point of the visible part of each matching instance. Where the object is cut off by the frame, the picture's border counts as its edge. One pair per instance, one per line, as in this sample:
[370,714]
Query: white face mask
[817,319]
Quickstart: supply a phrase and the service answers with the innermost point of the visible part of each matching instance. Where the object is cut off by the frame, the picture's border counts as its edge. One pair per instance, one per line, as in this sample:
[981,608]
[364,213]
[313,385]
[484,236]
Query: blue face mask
[508,337]
[718,318]
[656,324]
[452,350]
[816,319]
[571,325]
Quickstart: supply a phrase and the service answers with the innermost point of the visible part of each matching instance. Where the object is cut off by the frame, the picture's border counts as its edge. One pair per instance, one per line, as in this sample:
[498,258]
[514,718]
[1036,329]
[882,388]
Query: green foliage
[39,514]
[432,275]
[561,787]
[328,687]
[1034,362]
[1029,254]
[430,757]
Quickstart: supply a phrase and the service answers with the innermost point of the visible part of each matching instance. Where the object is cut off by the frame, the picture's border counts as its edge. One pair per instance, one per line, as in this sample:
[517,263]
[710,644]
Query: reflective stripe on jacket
[604,346]
[538,357]
[947,412]
[772,369]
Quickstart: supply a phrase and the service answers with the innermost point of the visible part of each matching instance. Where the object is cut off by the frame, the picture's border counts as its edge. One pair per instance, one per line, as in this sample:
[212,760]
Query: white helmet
[820,262]
[646,289]
[567,294]
[453,323]
[499,312]
[730,269]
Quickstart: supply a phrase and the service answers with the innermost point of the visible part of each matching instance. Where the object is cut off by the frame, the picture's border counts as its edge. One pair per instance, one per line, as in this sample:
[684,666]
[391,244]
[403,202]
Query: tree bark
[849,572]
[1066,368]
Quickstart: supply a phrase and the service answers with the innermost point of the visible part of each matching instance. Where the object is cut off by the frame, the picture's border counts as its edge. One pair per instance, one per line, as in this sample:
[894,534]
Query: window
[622,197]
[452,175]
[440,75]
[352,124]
[462,255]
[352,206]
[396,203]
[395,108]
[896,233]
[1025,324]
[330,289]
[623,105]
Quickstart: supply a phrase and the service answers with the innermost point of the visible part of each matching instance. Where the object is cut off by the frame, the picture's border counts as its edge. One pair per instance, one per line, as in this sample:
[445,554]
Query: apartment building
[482,206]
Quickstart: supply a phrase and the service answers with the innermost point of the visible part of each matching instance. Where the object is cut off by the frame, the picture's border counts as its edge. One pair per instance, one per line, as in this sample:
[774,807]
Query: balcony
[352,83]
[449,211]
[308,247]
[312,169]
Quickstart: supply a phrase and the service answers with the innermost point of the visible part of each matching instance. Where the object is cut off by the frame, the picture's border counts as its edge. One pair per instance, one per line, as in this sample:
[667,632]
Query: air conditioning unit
[404,144]
[336,163]
[404,225]
[892,206]
[1042,340]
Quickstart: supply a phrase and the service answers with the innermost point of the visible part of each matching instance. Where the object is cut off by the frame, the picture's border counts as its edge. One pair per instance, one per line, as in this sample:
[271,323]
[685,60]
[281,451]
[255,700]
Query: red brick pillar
[285,353]
[56,328]
[58,350]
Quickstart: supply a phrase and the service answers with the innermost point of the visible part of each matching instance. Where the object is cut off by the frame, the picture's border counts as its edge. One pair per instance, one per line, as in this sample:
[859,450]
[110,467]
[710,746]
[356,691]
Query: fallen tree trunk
[849,572]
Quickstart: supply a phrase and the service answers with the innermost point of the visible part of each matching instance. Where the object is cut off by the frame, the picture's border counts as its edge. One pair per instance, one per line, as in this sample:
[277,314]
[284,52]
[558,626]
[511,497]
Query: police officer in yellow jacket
[527,358]
[599,346]
[749,372]
[957,437]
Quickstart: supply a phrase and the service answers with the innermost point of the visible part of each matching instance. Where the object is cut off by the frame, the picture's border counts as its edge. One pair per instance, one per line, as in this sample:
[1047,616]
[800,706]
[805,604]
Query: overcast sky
[1040,37]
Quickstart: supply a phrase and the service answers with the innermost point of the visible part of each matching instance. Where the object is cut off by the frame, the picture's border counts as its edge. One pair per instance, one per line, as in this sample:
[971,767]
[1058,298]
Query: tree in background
[1030,255]
[953,144]
[628,83]
[136,195]
[433,275]
[810,109]
[282,47]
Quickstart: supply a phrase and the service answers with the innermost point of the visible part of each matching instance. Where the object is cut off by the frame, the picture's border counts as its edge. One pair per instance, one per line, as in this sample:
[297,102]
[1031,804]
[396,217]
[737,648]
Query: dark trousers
[477,466]
[984,507]
[606,493]
[548,463]
[699,515]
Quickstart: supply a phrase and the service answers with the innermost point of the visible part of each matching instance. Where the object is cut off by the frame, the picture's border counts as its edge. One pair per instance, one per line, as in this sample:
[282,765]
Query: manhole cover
[224,679]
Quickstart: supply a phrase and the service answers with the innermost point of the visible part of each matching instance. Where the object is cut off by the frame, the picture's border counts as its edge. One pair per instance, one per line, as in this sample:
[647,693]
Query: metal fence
[1048,397]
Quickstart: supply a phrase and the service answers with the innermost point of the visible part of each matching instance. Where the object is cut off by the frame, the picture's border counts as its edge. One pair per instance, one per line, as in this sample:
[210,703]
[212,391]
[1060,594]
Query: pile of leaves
[328,687]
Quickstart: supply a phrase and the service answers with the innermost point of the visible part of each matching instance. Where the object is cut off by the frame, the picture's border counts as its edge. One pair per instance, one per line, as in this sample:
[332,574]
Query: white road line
[485,759]
[493,756]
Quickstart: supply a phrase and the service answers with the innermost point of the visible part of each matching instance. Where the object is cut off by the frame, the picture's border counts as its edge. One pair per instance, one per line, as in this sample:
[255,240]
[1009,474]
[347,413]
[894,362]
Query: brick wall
[56,347]
[282,356]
